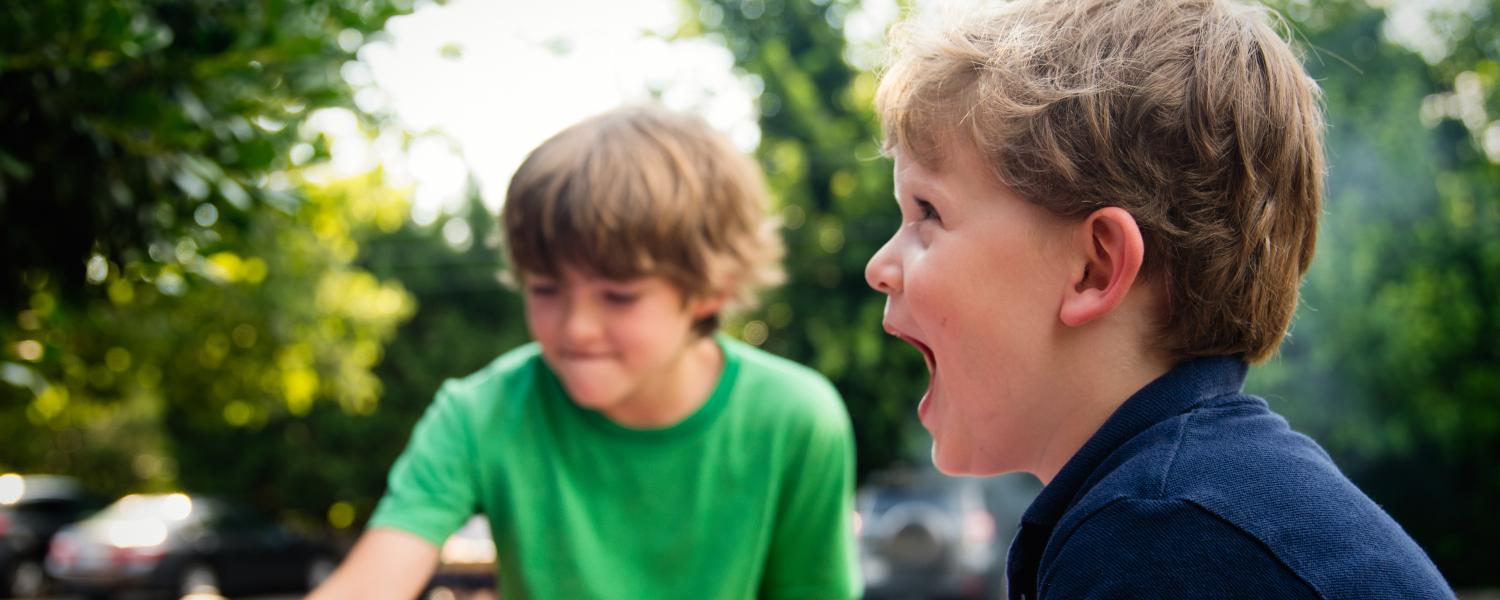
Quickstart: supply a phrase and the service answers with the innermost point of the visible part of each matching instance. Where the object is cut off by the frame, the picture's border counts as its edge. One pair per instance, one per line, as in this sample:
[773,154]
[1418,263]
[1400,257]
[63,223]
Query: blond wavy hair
[643,191]
[1195,116]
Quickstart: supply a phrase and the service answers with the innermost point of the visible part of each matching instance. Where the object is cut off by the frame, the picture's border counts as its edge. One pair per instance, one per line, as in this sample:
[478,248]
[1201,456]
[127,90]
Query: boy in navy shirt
[1107,207]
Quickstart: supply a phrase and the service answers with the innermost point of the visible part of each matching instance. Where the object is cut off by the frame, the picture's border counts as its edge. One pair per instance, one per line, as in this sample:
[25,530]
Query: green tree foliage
[1392,359]
[181,304]
[820,147]
[307,338]
[467,319]
[160,385]
[123,124]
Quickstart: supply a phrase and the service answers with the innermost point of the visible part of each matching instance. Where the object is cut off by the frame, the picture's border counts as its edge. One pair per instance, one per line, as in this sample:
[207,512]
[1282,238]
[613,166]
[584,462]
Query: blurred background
[241,244]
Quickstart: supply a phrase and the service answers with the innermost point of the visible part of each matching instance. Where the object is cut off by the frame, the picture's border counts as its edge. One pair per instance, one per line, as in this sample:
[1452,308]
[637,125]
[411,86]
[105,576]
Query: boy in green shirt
[631,451]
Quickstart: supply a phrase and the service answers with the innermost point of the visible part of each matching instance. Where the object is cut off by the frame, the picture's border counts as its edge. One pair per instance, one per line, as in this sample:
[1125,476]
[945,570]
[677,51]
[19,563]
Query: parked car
[32,509]
[923,535]
[466,564]
[180,544]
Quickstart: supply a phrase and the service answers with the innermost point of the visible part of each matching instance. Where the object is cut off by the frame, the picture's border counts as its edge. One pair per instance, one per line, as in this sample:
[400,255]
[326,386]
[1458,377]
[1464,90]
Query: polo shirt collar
[1175,392]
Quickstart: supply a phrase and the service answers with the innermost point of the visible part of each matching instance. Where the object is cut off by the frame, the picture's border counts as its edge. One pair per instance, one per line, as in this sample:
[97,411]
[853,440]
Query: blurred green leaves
[120,121]
[233,340]
[820,147]
[1392,361]
[178,279]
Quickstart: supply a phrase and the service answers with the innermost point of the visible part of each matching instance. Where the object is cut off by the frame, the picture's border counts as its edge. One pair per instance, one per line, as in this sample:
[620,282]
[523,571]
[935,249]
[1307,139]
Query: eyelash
[928,211]
[614,298]
[620,299]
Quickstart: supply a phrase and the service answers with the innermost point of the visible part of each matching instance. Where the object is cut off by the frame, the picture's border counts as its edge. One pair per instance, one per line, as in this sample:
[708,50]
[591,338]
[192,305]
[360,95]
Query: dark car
[32,509]
[924,535]
[179,544]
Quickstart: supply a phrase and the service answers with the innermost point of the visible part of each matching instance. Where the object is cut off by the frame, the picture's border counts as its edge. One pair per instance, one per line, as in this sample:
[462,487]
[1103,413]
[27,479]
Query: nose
[581,321]
[883,272]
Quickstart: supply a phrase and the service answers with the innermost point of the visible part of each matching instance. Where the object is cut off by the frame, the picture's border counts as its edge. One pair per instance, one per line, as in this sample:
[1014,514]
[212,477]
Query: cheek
[940,302]
[541,320]
[639,326]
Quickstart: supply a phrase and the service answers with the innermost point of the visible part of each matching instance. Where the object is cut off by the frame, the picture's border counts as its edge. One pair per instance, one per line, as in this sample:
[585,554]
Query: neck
[1118,370]
[678,392]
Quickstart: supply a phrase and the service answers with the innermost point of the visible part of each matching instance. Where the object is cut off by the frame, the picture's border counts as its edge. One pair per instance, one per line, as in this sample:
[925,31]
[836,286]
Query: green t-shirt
[751,496]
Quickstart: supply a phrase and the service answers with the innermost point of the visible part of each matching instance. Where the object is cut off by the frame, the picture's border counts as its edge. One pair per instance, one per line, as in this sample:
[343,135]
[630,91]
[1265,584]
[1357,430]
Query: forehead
[958,170]
[911,173]
[580,273]
[577,275]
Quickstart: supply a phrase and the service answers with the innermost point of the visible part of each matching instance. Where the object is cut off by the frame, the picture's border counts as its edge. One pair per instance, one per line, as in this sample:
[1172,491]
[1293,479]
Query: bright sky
[482,82]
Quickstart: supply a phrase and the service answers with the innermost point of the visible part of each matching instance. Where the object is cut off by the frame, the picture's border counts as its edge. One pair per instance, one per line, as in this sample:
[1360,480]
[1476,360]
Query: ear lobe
[1111,247]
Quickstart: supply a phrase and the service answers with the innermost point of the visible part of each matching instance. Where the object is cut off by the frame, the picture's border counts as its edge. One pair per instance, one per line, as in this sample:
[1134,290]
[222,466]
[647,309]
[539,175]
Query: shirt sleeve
[813,552]
[1136,548]
[431,490]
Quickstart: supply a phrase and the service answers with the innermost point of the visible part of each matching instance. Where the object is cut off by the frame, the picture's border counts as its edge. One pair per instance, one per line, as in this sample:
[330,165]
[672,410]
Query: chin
[589,405]
[948,465]
[962,466]
[592,399]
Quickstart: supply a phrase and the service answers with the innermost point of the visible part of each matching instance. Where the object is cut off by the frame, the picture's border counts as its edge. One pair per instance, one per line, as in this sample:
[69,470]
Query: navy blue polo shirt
[1193,489]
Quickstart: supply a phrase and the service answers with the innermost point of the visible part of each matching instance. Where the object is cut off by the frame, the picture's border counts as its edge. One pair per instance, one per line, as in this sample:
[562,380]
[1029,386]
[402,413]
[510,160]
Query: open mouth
[925,405]
[926,352]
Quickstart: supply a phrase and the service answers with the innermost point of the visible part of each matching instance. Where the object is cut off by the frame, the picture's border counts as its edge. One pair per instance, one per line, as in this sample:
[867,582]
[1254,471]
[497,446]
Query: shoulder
[509,373]
[780,381]
[507,367]
[773,389]
[764,370]
[1234,466]
[1162,548]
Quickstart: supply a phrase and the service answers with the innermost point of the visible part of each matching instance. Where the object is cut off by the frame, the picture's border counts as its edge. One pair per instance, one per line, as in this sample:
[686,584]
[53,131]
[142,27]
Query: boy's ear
[702,306]
[1111,250]
[711,303]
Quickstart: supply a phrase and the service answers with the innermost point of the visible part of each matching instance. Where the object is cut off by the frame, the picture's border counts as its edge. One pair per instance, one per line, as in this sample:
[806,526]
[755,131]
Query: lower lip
[925,406]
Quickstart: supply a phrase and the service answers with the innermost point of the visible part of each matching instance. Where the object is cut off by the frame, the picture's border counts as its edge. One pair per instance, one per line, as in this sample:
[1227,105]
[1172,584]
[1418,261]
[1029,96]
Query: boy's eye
[542,289]
[621,298]
[927,211]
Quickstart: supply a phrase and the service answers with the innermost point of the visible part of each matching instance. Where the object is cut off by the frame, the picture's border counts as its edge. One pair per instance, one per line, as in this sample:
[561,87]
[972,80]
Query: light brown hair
[642,191]
[1193,115]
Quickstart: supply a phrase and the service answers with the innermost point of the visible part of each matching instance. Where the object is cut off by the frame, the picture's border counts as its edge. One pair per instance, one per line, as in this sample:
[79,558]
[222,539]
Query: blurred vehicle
[466,564]
[924,535]
[179,544]
[32,509]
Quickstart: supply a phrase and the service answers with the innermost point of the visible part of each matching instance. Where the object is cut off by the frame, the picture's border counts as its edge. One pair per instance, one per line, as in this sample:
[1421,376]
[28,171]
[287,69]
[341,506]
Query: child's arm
[385,563]
[429,494]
